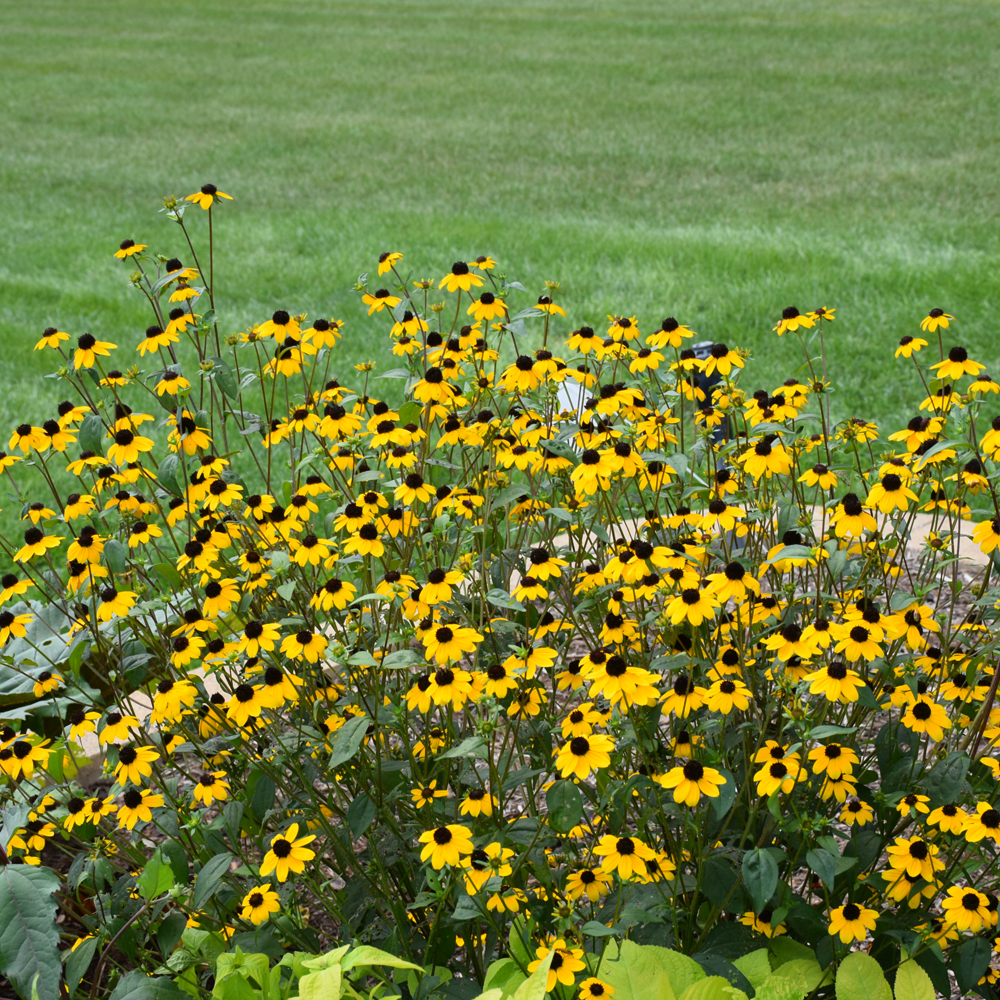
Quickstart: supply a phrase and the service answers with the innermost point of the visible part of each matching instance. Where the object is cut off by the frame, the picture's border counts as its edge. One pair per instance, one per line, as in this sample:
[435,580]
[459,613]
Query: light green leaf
[367,955]
[912,983]
[756,966]
[709,988]
[533,988]
[322,985]
[860,977]
[791,981]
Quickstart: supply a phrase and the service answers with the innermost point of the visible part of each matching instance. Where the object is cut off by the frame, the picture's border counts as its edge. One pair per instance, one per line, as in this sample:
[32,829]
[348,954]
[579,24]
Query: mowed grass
[711,160]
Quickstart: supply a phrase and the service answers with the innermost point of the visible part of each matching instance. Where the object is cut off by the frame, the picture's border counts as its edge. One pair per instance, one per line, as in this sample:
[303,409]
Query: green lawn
[712,160]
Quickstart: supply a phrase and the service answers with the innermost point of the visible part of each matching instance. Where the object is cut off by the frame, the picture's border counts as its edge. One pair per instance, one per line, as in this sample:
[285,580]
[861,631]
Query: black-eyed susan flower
[51,337]
[448,643]
[207,196]
[477,802]
[583,754]
[47,681]
[88,349]
[594,883]
[856,812]
[566,962]
[966,909]
[211,787]
[927,717]
[792,321]
[628,856]
[259,904]
[15,625]
[446,845]
[983,823]
[288,854]
[135,764]
[936,319]
[691,781]
[852,922]
[836,682]
[137,807]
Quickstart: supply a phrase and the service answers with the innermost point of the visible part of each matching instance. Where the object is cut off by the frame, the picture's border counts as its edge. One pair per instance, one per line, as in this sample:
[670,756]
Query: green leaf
[756,966]
[91,435]
[233,986]
[791,981]
[410,413]
[77,963]
[709,988]
[912,983]
[565,805]
[166,474]
[136,985]
[533,988]
[156,878]
[347,740]
[115,555]
[597,930]
[322,985]
[649,972]
[360,814]
[472,746]
[823,863]
[210,878]
[760,874]
[723,802]
[501,599]
[503,976]
[168,573]
[402,659]
[970,963]
[860,977]
[511,494]
[367,955]
[944,780]
[29,937]
[223,377]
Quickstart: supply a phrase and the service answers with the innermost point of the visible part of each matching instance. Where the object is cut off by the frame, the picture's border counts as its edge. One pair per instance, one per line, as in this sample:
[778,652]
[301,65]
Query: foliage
[516,670]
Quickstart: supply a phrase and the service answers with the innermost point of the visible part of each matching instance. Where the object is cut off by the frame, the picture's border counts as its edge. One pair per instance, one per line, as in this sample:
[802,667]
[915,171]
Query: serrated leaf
[912,983]
[860,977]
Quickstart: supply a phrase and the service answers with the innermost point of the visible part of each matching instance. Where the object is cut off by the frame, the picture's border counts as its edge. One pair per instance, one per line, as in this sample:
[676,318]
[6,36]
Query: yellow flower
[445,845]
[129,248]
[584,754]
[966,908]
[211,787]
[936,319]
[288,853]
[566,962]
[852,922]
[258,904]
[625,855]
[691,781]
[207,196]
[460,278]
[135,763]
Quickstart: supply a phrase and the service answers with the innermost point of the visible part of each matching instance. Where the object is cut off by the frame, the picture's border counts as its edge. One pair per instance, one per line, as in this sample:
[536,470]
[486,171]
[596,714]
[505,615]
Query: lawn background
[715,161]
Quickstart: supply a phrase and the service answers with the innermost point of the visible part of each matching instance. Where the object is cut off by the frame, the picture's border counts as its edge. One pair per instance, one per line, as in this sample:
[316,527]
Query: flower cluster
[510,649]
